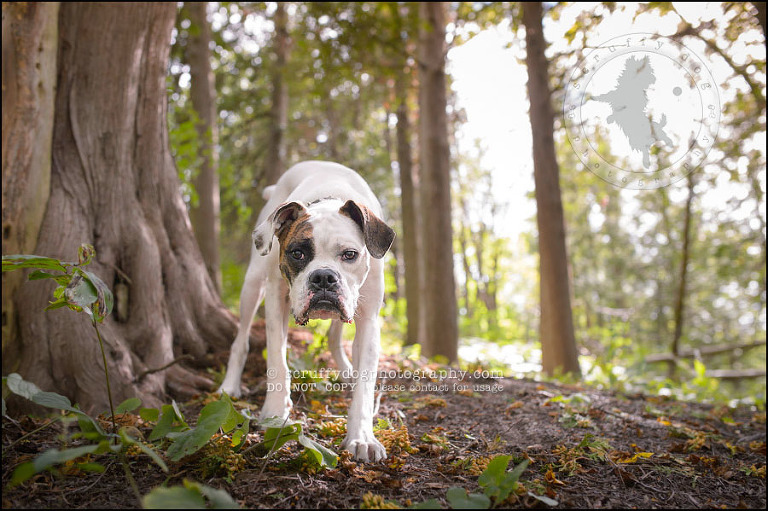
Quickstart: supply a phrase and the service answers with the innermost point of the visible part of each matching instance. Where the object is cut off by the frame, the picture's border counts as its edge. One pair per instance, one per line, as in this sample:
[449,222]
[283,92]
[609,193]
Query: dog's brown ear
[378,235]
[276,225]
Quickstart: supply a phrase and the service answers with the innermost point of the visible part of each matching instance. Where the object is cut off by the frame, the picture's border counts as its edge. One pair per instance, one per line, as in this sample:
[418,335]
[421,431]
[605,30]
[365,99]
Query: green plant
[170,426]
[280,431]
[215,416]
[101,442]
[497,484]
[78,289]
[191,495]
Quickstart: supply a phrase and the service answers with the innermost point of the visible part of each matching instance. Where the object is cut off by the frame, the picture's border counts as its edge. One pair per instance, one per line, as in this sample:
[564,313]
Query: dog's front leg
[278,401]
[360,440]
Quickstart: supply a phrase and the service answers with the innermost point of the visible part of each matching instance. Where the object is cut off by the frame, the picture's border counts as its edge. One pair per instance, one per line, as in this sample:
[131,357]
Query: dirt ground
[587,449]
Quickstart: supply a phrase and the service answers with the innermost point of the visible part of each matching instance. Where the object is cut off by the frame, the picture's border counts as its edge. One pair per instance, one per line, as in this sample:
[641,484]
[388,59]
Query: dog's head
[325,253]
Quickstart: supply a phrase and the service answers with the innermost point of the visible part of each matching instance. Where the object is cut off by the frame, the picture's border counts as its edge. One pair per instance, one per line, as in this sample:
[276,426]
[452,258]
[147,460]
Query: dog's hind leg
[250,297]
[337,350]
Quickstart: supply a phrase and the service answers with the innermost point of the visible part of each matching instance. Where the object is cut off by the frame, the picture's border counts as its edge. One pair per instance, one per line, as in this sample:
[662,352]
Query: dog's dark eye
[349,255]
[297,254]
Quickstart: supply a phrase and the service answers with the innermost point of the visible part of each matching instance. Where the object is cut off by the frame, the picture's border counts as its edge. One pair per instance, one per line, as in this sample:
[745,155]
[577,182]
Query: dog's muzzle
[324,299]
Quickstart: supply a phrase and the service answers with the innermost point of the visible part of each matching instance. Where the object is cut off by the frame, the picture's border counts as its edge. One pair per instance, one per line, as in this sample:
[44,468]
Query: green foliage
[91,430]
[497,484]
[214,416]
[191,495]
[459,498]
[232,277]
[169,420]
[78,289]
[281,431]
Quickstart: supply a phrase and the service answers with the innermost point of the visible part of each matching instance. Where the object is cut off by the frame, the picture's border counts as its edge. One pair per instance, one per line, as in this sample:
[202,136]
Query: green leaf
[427,504]
[494,473]
[212,416]
[128,405]
[81,292]
[29,390]
[275,438]
[17,262]
[40,275]
[173,498]
[324,456]
[275,422]
[189,496]
[518,470]
[61,302]
[90,428]
[220,499]
[105,301]
[546,500]
[236,422]
[48,459]
[495,480]
[177,411]
[170,422]
[149,414]
[54,400]
[57,401]
[20,386]
[459,499]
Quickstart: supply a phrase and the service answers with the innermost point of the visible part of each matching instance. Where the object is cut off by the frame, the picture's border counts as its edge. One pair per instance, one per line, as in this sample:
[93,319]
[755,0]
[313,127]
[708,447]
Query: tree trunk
[114,184]
[558,344]
[681,290]
[409,204]
[29,81]
[463,243]
[275,163]
[205,215]
[440,311]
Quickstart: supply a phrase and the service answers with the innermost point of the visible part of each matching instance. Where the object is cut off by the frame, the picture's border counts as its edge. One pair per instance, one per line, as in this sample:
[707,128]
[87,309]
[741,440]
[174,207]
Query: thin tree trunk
[205,215]
[465,258]
[440,311]
[681,290]
[409,204]
[492,288]
[558,344]
[275,162]
[30,32]
[114,184]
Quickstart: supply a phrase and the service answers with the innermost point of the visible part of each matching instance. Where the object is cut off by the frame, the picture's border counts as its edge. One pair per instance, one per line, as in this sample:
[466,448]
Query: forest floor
[586,448]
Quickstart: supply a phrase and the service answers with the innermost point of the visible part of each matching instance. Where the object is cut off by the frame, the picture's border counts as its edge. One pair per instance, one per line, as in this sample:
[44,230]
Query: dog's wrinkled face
[324,254]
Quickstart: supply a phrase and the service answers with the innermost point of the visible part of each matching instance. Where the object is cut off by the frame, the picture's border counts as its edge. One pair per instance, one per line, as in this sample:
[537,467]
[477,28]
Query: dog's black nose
[323,280]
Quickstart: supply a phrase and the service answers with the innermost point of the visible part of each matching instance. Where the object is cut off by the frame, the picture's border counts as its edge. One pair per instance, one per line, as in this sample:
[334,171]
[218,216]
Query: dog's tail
[267,193]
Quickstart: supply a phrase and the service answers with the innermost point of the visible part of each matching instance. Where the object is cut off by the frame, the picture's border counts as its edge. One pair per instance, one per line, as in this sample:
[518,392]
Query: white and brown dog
[328,265]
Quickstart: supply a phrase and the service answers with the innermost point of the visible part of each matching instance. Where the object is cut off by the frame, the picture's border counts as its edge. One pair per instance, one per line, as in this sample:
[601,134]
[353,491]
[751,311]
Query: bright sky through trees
[489,78]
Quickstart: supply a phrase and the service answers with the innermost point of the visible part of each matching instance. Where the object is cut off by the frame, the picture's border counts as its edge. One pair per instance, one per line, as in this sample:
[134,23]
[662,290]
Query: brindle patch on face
[298,238]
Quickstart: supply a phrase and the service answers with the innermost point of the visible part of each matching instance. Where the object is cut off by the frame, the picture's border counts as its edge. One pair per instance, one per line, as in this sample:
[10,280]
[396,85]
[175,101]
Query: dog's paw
[231,389]
[276,406]
[366,449]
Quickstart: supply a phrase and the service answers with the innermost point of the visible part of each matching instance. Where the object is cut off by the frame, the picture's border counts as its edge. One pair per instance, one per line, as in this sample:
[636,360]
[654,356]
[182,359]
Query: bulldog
[326,264]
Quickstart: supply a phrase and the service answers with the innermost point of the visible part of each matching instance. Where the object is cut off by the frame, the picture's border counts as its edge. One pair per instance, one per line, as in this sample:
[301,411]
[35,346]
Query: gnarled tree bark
[29,86]
[114,184]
